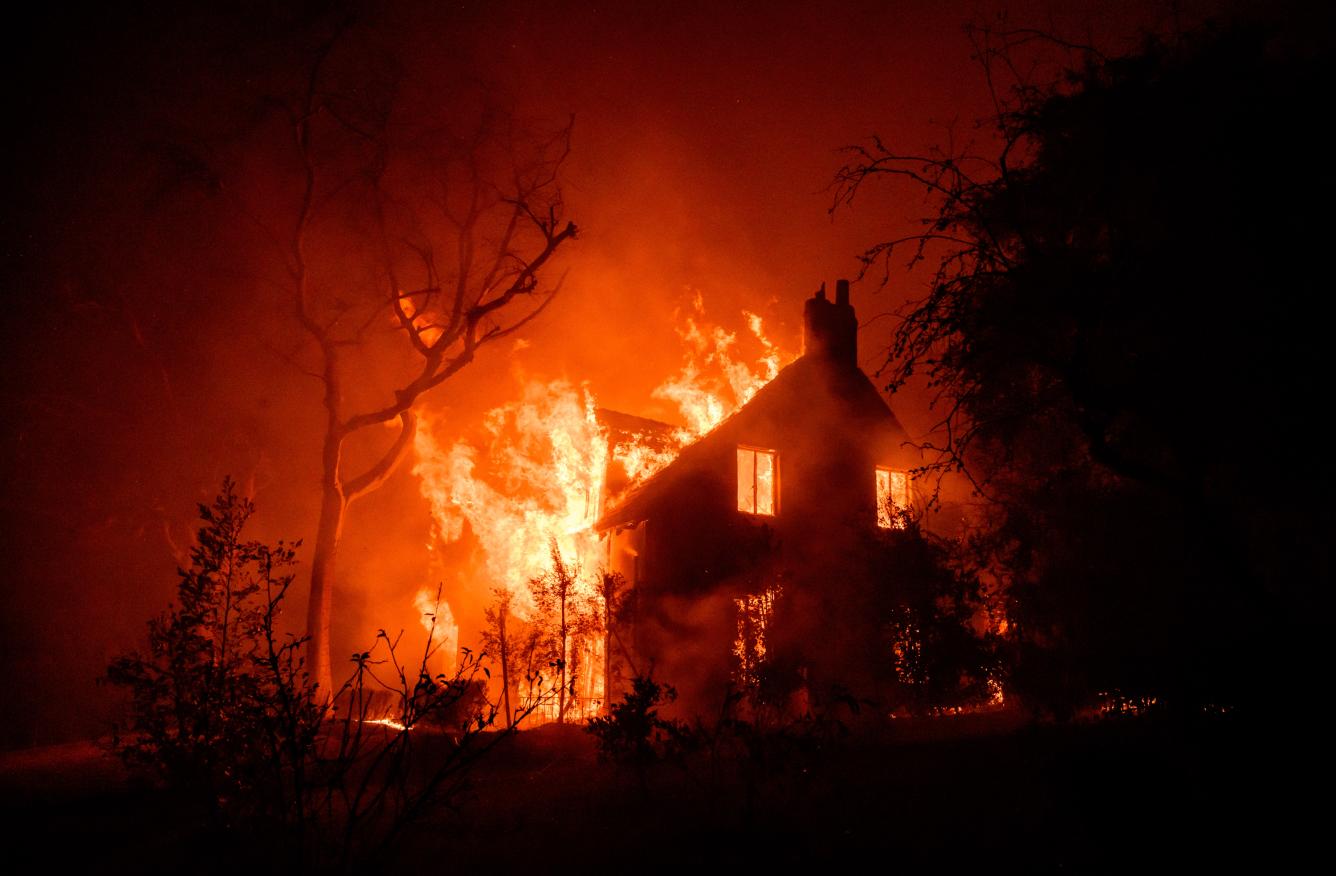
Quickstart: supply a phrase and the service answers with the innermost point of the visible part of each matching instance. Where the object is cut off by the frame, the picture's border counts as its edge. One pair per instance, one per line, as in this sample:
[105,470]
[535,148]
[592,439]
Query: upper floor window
[758,481]
[892,497]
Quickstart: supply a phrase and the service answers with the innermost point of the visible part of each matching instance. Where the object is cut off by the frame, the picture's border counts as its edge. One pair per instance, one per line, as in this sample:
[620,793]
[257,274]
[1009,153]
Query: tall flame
[539,471]
[701,399]
[540,478]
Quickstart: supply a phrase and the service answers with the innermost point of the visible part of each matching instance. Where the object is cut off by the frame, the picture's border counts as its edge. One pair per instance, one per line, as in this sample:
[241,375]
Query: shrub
[224,713]
[632,733]
[222,709]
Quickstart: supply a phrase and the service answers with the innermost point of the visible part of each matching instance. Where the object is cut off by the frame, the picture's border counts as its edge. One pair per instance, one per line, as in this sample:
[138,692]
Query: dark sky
[145,355]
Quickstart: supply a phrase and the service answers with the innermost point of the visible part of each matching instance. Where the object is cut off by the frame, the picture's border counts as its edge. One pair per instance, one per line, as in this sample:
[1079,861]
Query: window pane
[765,482]
[892,497]
[746,480]
[884,500]
[900,489]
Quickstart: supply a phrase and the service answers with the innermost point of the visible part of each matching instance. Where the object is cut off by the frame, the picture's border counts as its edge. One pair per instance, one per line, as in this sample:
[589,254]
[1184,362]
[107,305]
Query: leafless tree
[462,220]
[499,641]
[565,615]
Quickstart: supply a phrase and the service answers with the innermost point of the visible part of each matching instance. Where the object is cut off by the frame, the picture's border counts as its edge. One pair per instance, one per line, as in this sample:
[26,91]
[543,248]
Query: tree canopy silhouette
[1120,332]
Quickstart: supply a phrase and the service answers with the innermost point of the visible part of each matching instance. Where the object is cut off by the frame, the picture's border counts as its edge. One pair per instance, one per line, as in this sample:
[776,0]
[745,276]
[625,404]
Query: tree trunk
[607,654]
[505,667]
[561,663]
[323,563]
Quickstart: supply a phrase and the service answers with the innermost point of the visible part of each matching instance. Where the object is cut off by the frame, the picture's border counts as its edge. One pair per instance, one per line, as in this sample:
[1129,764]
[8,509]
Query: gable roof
[795,397]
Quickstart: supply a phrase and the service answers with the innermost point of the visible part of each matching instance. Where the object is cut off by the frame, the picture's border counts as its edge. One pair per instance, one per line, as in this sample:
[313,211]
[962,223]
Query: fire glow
[539,475]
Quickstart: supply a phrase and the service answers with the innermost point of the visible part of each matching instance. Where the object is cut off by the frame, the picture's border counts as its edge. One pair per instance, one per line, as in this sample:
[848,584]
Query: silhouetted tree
[633,734]
[498,639]
[222,708]
[933,622]
[463,219]
[564,616]
[534,653]
[223,713]
[1119,326]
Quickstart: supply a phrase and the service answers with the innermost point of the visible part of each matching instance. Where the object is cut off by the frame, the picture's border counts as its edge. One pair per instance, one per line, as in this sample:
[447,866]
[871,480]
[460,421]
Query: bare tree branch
[373,477]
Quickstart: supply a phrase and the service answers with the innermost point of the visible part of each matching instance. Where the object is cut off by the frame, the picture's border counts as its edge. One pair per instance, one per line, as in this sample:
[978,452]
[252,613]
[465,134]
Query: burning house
[745,538]
[743,553]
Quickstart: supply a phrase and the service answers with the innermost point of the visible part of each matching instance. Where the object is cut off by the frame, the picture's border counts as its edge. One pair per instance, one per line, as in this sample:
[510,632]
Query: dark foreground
[949,795]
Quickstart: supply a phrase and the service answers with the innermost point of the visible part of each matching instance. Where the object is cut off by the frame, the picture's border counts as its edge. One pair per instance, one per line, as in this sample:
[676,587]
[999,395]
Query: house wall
[692,555]
[695,553]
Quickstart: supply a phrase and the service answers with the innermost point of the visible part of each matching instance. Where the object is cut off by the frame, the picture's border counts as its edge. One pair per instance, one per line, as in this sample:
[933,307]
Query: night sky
[147,352]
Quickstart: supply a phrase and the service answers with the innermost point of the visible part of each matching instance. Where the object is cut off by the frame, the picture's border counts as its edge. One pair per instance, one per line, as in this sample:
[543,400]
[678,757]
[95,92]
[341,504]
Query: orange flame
[540,478]
[701,399]
[540,471]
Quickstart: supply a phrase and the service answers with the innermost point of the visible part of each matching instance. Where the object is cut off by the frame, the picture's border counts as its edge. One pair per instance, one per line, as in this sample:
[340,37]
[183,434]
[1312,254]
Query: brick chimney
[831,330]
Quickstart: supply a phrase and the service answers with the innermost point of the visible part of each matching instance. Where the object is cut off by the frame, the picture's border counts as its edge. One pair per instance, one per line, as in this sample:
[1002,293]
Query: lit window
[755,612]
[757,480]
[892,497]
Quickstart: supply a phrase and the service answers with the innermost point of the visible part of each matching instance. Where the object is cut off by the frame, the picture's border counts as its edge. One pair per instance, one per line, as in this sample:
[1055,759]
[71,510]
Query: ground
[950,794]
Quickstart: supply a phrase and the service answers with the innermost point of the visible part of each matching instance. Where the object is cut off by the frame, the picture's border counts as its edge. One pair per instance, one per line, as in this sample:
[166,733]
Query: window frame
[890,521]
[754,450]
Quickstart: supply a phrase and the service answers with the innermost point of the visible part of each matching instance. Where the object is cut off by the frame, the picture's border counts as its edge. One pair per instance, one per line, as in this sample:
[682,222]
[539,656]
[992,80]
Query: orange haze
[149,350]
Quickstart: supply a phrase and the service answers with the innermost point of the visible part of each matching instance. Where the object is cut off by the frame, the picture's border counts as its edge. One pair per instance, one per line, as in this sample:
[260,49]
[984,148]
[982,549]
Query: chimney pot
[830,329]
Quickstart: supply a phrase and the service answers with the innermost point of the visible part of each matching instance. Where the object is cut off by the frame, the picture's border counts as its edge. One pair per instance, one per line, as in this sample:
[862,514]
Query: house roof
[629,424]
[795,396]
